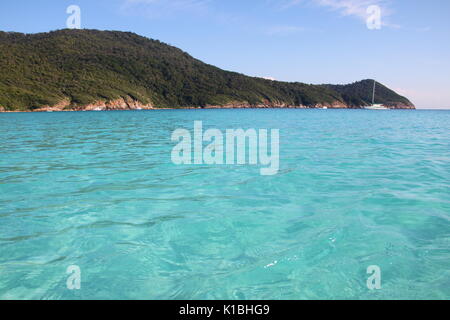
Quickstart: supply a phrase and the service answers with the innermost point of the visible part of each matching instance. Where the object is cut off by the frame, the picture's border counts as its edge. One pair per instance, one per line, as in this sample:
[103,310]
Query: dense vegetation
[360,94]
[85,66]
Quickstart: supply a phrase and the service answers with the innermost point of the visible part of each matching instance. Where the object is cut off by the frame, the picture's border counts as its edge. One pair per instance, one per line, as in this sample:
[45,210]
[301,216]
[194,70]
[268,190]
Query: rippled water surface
[99,190]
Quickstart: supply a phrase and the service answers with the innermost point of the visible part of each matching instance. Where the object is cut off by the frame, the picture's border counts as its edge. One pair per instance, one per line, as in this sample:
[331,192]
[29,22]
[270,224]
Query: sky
[311,41]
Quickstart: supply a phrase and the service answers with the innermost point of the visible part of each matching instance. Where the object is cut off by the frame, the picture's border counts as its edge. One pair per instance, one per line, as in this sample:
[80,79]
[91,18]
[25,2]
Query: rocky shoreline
[129,104]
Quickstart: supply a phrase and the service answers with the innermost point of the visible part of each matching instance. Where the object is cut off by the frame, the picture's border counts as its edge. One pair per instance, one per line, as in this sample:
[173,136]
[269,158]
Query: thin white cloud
[351,8]
[162,8]
[357,8]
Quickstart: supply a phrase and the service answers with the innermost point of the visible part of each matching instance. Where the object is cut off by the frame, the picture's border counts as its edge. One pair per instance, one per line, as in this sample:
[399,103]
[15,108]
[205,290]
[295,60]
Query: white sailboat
[375,106]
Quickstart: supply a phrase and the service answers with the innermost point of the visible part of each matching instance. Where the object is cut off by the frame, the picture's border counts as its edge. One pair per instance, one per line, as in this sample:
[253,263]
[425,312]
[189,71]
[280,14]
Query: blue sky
[312,41]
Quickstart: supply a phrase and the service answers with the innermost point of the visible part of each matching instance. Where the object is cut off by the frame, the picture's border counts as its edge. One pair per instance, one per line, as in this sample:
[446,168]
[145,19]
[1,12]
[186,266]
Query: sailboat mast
[373,95]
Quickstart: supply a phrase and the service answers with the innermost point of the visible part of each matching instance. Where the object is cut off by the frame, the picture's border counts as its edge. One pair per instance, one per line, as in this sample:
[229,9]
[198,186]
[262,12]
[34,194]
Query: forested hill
[72,69]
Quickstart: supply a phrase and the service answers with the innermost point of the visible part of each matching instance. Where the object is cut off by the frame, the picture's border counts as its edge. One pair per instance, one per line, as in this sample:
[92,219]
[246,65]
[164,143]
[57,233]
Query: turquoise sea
[98,190]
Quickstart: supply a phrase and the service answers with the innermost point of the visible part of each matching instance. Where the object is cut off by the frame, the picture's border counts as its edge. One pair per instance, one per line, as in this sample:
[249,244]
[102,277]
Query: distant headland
[76,70]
